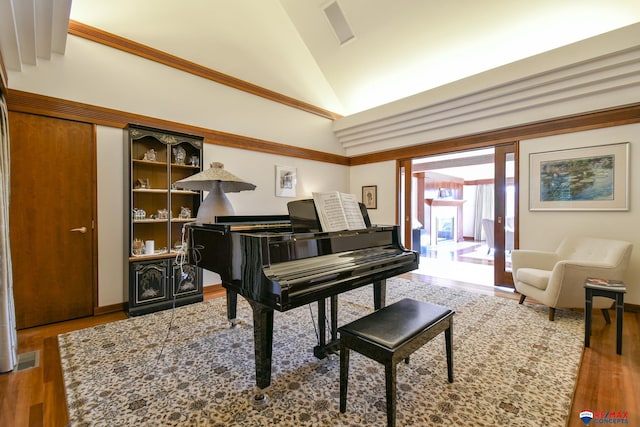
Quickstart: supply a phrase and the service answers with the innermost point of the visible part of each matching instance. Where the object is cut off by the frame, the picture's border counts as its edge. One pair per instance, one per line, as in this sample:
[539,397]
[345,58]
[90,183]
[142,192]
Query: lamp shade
[217,182]
[229,183]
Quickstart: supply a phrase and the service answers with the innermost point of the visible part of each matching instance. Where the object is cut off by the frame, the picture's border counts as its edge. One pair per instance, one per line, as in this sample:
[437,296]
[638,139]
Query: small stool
[594,289]
[390,335]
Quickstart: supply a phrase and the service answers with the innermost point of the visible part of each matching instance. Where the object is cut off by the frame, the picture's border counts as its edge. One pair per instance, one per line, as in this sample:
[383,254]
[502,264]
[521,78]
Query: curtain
[483,208]
[8,334]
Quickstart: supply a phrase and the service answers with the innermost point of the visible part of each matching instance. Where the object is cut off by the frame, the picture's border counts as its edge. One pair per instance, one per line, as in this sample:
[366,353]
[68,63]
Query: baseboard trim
[107,309]
[114,308]
[632,308]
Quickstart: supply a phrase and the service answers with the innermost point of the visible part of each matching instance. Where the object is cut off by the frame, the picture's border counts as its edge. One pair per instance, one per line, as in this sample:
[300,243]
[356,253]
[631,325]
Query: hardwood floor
[607,382]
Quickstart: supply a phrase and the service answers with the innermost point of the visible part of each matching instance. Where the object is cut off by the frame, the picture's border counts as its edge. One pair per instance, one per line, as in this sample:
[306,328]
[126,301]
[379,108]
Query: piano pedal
[233,322]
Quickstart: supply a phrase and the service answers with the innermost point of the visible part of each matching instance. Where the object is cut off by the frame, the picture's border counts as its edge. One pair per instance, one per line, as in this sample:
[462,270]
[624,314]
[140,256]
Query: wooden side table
[614,291]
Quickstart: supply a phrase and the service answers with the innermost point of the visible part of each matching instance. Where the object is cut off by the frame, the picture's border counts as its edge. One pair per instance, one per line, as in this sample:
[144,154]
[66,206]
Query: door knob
[80,229]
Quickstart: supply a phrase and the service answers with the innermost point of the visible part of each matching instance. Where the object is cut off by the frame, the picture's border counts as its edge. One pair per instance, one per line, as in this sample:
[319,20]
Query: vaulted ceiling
[398,48]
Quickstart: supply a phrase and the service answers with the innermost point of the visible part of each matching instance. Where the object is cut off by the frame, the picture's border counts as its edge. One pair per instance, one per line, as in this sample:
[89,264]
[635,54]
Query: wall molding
[27,102]
[617,116]
[512,95]
[108,39]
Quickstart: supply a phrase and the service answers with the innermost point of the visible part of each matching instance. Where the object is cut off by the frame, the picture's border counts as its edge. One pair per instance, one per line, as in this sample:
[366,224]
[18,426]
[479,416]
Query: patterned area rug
[512,367]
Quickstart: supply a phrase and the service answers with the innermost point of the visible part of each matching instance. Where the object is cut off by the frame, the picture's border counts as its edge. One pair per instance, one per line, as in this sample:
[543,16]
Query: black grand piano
[280,262]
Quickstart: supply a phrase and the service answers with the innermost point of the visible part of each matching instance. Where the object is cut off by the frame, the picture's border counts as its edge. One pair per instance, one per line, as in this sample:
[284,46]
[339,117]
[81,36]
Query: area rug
[187,367]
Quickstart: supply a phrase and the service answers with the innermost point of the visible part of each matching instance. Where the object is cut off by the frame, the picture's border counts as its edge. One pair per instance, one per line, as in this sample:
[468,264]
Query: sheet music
[338,211]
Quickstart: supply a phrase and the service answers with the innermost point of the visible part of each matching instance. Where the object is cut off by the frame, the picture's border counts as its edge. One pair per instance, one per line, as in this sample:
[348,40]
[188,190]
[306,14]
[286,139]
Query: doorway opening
[453,215]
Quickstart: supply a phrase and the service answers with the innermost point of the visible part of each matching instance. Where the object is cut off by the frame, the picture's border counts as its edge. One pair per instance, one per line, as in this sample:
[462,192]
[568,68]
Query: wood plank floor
[607,382]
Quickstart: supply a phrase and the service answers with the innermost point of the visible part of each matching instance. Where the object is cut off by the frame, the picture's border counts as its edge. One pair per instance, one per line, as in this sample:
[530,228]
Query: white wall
[98,75]
[544,229]
[110,216]
[383,175]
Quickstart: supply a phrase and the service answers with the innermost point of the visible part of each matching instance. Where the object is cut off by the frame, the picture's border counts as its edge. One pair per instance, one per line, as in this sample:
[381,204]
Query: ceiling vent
[338,23]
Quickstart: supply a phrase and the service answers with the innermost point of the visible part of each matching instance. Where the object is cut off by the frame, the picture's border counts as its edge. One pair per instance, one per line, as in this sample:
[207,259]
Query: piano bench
[391,334]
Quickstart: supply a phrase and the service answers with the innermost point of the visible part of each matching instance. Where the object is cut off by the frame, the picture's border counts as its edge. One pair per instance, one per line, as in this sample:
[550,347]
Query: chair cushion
[394,324]
[534,277]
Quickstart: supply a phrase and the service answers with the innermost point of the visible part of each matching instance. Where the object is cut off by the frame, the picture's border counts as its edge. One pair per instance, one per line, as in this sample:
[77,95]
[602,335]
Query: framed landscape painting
[590,178]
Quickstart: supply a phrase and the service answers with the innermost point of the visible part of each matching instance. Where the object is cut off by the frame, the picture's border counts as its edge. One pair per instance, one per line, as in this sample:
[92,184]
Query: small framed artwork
[445,193]
[370,196]
[285,181]
[584,179]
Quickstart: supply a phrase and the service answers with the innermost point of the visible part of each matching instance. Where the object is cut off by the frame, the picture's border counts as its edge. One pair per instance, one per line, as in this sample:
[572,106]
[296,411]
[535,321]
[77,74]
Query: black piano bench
[391,334]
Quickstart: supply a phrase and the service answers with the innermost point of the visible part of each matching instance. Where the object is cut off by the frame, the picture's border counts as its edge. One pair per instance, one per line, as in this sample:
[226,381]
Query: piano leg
[379,294]
[334,318]
[263,347]
[323,349]
[232,305]
[322,318]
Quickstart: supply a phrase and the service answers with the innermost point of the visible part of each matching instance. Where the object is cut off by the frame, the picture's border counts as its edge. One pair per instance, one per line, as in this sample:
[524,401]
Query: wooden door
[51,218]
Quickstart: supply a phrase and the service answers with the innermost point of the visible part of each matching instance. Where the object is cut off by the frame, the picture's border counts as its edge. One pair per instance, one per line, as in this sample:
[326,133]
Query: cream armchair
[556,279]
[487,227]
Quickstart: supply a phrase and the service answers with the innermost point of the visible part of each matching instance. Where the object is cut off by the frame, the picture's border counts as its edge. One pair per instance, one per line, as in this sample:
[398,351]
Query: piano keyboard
[325,267]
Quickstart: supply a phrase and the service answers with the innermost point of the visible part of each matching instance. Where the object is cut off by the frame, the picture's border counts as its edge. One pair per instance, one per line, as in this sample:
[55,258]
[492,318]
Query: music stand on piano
[304,217]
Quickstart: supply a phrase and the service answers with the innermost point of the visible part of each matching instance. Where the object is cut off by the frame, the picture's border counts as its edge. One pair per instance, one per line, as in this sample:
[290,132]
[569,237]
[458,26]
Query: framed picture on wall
[445,193]
[588,179]
[286,181]
[370,196]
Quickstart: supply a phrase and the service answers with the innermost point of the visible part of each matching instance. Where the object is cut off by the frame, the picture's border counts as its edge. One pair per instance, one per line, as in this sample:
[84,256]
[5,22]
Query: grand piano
[280,262]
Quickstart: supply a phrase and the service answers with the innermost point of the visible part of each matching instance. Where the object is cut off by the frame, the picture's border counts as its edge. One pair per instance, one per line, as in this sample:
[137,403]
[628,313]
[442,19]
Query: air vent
[28,360]
[338,23]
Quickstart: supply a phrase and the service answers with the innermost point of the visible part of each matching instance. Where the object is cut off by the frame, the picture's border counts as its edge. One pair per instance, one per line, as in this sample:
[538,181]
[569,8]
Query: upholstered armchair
[556,279]
[487,227]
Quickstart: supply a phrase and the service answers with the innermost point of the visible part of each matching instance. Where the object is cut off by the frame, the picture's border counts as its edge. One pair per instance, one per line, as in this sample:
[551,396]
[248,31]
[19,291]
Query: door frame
[500,275]
[404,190]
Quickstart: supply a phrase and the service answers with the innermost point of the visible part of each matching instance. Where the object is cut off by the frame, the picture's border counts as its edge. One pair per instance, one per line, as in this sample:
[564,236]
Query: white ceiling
[401,47]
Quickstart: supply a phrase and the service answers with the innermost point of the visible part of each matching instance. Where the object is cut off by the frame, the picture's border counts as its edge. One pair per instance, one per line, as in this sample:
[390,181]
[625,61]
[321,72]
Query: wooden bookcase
[157,212]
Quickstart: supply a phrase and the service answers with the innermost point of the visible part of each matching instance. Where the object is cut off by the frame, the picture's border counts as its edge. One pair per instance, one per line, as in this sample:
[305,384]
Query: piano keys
[274,268]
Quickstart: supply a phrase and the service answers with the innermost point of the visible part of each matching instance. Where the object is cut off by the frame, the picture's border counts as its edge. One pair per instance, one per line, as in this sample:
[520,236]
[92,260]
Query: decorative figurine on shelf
[150,155]
[139,214]
[180,154]
[137,248]
[141,183]
[185,213]
[194,161]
